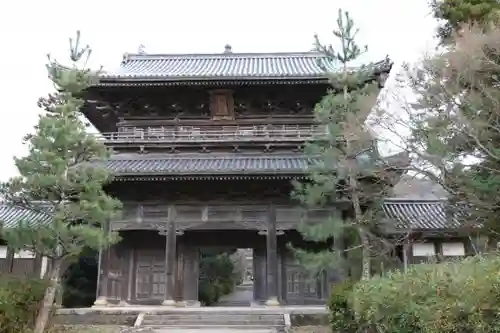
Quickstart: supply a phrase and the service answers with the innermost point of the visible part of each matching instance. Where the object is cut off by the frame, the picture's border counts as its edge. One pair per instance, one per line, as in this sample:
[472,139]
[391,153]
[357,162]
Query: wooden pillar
[124,274]
[37,266]
[272,258]
[10,260]
[103,283]
[283,279]
[259,274]
[103,271]
[191,275]
[170,258]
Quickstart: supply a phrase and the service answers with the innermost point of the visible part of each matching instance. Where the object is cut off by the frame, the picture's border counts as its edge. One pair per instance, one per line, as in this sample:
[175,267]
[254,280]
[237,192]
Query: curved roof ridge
[159,56]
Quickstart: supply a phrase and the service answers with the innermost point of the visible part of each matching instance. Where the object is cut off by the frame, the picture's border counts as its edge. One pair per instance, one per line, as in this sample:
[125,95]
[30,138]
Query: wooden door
[150,275]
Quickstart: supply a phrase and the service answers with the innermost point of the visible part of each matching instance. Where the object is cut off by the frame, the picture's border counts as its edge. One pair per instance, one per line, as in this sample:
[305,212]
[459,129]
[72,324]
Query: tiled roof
[420,214]
[225,66]
[210,164]
[405,214]
[10,216]
[134,164]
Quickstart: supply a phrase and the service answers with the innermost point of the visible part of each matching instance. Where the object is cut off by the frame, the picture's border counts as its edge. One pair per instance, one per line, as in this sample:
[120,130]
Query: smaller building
[23,263]
[427,228]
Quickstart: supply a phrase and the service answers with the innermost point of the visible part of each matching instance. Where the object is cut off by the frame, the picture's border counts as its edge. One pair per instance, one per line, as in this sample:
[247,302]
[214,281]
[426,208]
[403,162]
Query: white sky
[30,29]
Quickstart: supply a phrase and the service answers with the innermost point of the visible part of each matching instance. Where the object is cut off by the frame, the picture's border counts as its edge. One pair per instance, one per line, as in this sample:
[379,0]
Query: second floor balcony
[209,134]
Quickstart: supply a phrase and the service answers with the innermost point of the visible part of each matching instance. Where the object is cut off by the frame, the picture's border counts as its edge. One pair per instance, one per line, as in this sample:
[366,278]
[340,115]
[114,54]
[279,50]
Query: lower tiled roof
[133,164]
[404,214]
[420,214]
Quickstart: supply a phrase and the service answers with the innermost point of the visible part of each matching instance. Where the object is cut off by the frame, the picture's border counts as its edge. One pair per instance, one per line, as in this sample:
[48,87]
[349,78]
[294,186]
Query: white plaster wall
[424,250]
[3,251]
[24,254]
[456,249]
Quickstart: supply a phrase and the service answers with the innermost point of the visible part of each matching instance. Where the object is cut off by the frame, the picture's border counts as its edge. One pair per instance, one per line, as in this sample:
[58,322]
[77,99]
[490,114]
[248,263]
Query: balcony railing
[224,134]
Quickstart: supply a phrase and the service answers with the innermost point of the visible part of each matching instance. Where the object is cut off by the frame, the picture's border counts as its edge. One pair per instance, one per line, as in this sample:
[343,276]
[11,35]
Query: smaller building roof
[407,214]
[225,67]
[10,216]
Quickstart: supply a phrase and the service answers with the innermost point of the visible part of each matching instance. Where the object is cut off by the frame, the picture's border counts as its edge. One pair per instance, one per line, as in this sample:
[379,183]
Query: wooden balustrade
[222,134]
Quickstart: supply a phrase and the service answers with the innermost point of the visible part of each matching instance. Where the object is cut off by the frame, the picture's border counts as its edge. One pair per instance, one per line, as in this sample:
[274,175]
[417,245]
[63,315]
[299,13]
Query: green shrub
[342,317]
[217,277]
[20,299]
[452,297]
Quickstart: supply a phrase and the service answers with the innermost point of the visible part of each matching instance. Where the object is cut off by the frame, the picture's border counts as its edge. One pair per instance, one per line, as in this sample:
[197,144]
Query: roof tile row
[226,66]
[405,214]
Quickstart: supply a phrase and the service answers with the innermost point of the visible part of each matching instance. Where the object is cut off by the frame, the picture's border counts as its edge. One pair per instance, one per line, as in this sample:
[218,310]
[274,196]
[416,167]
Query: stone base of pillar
[169,302]
[273,301]
[255,304]
[188,304]
[100,301]
[123,303]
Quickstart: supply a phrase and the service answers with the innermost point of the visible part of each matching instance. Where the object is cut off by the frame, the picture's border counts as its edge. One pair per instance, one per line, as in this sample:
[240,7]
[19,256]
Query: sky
[29,30]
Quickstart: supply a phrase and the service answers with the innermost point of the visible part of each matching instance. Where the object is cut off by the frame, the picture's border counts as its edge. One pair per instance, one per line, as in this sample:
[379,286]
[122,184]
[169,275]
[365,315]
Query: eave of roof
[402,214]
[205,164]
[11,216]
[154,68]
[214,164]
[421,214]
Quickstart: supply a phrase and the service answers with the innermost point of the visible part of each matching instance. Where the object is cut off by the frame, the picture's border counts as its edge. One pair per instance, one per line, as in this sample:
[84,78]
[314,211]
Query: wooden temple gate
[149,267]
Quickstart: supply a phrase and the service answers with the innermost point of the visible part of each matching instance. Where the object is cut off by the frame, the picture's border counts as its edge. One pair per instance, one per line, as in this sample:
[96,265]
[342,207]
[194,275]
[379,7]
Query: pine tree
[349,170]
[456,13]
[56,180]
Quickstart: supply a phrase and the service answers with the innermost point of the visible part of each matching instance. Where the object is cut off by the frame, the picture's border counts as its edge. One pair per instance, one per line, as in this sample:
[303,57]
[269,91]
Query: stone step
[204,329]
[222,319]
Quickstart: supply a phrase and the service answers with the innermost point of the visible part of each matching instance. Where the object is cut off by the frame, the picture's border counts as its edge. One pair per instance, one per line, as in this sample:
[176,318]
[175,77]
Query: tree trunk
[49,297]
[492,243]
[365,242]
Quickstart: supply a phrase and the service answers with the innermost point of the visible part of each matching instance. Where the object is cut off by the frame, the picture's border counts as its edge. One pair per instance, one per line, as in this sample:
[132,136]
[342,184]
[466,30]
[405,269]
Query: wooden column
[259,274]
[103,281]
[272,258]
[37,266]
[124,274]
[170,258]
[103,285]
[10,260]
[191,275]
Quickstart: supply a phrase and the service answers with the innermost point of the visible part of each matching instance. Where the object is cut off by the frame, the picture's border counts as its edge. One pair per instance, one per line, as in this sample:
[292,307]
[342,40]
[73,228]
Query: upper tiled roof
[134,164]
[420,214]
[10,216]
[225,66]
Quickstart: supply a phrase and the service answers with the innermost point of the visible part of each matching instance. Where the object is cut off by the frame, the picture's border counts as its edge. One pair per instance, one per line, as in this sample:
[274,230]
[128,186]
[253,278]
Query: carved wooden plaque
[222,104]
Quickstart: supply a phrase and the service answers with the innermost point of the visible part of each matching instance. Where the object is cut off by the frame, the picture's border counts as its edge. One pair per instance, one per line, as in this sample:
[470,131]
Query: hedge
[20,299]
[452,297]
